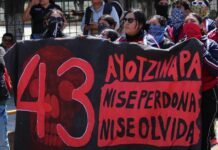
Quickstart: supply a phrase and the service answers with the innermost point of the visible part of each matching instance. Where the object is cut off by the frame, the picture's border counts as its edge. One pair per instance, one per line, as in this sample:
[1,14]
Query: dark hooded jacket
[210,69]
[4,93]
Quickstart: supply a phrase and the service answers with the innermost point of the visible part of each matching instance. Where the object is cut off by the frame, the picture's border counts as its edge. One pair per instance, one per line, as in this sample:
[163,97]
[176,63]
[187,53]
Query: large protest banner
[89,94]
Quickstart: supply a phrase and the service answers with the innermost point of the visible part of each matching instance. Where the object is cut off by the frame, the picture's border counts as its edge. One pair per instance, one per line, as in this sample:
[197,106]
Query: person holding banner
[157,26]
[4,95]
[192,29]
[54,22]
[134,29]
[89,24]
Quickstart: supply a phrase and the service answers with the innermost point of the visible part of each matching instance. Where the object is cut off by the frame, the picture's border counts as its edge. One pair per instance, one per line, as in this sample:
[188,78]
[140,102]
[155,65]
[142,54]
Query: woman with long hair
[134,29]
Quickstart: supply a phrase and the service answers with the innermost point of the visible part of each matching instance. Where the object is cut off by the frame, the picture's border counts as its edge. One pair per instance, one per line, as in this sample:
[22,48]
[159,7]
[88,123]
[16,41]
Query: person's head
[109,34]
[193,18]
[183,5]
[180,9]
[157,25]
[134,21]
[106,21]
[192,26]
[7,40]
[54,22]
[161,7]
[200,7]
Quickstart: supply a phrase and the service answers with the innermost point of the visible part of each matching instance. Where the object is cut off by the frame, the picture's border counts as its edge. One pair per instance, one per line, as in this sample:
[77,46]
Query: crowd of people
[173,23]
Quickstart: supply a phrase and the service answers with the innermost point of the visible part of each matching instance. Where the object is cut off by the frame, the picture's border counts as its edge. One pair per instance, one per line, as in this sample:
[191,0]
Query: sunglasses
[198,3]
[129,20]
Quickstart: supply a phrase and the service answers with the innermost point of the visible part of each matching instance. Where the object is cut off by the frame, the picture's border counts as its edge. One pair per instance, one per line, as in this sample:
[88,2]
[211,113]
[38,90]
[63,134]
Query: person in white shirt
[98,8]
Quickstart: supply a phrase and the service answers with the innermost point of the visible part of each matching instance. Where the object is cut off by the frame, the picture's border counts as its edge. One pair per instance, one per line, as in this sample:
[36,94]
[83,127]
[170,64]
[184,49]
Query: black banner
[89,94]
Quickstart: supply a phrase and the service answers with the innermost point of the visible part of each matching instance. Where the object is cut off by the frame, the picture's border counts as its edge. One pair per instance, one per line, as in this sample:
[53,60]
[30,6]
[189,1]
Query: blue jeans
[4,144]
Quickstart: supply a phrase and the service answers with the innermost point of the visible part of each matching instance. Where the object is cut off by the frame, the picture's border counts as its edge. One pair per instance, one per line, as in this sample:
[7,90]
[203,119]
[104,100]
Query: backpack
[88,13]
[118,8]
[116,4]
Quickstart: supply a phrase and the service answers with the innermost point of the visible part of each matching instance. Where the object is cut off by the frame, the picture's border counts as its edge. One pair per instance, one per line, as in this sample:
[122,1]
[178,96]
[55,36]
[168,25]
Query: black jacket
[4,93]
[210,55]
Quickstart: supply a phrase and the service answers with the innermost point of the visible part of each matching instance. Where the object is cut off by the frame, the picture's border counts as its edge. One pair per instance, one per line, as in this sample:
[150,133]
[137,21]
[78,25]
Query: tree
[13,17]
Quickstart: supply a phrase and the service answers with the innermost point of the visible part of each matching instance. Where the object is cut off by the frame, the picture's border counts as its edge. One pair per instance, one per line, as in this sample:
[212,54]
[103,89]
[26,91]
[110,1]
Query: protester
[54,22]
[36,11]
[134,24]
[192,29]
[7,41]
[157,26]
[161,7]
[109,34]
[106,22]
[180,9]
[201,7]
[92,14]
[4,94]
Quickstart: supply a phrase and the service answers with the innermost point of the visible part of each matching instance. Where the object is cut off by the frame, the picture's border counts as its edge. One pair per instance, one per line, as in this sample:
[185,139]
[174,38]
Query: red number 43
[40,107]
